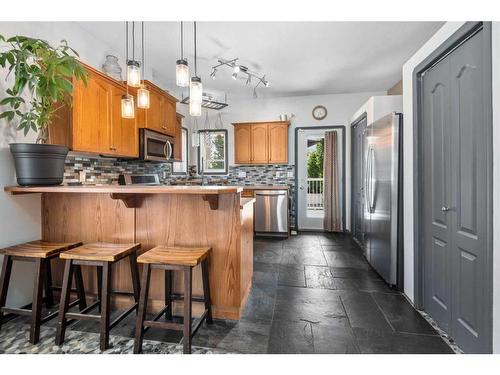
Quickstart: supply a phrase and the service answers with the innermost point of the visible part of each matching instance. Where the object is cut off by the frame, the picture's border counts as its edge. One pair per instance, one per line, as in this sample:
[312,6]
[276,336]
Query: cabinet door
[260,143]
[123,134]
[169,125]
[92,108]
[242,144]
[155,117]
[178,144]
[278,143]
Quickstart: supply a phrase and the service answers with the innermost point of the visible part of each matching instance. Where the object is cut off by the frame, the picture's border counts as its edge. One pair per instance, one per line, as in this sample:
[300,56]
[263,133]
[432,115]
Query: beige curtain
[331,183]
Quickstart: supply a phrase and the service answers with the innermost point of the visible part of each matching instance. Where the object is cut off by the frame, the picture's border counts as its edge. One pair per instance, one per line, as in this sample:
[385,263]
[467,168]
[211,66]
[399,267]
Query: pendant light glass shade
[128,110]
[195,96]
[143,97]
[133,73]
[182,73]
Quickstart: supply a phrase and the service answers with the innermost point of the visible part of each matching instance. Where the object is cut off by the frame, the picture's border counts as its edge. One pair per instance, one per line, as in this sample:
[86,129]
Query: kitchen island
[191,216]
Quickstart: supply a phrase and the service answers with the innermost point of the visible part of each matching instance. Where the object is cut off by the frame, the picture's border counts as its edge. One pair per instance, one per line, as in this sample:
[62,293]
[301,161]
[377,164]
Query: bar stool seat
[101,255]
[101,252]
[41,253]
[181,256]
[174,259]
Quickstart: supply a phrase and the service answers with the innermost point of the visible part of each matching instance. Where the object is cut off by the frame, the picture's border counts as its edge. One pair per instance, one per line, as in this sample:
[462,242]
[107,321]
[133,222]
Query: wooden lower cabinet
[261,142]
[94,123]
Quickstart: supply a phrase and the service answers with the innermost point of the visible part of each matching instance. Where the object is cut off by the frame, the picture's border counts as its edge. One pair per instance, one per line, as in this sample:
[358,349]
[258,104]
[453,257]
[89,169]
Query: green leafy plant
[46,72]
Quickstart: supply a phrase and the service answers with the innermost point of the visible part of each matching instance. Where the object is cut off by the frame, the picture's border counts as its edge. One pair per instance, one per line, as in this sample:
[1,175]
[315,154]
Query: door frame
[362,117]
[464,33]
[342,183]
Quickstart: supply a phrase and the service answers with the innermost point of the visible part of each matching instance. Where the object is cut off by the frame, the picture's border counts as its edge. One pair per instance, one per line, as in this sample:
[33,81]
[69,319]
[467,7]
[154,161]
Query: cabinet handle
[112,148]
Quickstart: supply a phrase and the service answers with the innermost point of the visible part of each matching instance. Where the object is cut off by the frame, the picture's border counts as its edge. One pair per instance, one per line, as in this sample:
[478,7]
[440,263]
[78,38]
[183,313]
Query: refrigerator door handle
[372,180]
[367,174]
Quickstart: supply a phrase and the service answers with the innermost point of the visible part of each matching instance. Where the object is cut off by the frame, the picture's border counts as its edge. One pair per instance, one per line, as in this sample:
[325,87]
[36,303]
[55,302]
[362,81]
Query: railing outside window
[315,194]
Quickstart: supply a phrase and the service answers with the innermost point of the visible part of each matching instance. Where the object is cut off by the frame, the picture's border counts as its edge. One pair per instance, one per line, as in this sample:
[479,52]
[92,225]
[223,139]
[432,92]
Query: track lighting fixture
[241,69]
[212,75]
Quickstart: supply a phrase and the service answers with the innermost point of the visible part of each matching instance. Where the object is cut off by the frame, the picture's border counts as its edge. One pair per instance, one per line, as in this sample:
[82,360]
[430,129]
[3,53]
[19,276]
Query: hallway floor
[312,293]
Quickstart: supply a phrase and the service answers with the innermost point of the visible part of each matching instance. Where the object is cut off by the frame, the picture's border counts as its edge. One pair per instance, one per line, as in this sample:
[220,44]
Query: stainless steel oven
[155,146]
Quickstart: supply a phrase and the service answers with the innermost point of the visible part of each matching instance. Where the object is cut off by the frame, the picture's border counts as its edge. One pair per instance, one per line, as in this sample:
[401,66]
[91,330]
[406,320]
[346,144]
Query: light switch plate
[242,174]
[290,174]
[82,176]
[280,174]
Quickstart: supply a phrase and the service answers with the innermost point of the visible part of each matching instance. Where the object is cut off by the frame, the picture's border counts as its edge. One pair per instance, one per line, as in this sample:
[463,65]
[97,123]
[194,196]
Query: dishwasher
[271,213]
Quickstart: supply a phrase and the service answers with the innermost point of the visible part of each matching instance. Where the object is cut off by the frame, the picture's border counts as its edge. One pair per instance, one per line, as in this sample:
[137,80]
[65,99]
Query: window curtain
[331,221]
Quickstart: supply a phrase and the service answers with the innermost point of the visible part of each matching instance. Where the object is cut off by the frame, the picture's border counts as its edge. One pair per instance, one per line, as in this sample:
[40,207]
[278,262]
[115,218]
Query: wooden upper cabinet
[93,123]
[242,144]
[278,143]
[161,114]
[261,142]
[91,114]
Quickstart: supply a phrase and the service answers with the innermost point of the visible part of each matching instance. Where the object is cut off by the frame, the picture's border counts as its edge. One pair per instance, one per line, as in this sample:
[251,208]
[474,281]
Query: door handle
[446,209]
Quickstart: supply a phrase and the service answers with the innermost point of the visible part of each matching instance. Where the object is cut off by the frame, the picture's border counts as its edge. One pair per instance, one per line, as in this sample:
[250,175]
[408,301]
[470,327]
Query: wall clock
[319,112]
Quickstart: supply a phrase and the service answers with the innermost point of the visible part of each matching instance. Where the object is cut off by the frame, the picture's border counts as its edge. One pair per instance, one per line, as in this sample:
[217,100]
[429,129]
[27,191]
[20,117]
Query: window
[212,153]
[181,167]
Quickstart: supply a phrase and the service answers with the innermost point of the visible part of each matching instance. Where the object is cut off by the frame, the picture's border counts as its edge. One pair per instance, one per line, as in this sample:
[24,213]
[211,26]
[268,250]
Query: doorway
[454,187]
[309,157]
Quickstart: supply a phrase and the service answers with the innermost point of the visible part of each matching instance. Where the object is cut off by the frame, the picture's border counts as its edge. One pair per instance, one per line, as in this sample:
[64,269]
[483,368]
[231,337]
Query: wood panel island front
[191,216]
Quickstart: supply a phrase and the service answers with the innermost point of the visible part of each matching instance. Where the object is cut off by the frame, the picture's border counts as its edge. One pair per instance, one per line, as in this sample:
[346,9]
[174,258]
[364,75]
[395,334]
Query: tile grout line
[382,312]
[350,325]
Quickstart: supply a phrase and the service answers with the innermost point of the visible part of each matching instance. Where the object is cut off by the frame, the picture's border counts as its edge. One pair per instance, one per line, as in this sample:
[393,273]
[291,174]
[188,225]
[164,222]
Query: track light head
[236,68]
[234,75]
[212,75]
[249,79]
[266,83]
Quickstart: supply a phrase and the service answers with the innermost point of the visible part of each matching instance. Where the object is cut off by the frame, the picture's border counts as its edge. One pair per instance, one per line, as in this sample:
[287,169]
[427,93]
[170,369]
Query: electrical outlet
[242,174]
[280,174]
[290,174]
[82,176]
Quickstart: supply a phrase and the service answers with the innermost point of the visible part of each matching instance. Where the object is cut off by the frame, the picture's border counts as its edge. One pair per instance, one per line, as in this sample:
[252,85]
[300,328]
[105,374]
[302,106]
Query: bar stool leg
[99,287]
[206,291]
[168,294]
[36,311]
[187,309]
[105,305]
[4,283]
[64,303]
[82,301]
[49,296]
[135,276]
[143,303]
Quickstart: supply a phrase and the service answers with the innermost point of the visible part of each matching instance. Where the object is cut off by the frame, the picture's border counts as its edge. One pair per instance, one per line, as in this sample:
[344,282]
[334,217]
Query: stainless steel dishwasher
[271,213]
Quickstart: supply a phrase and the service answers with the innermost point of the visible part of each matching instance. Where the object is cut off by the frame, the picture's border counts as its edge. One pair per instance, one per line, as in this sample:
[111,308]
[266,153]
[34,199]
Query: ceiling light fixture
[212,75]
[133,66]
[182,68]
[143,92]
[196,87]
[241,69]
[127,101]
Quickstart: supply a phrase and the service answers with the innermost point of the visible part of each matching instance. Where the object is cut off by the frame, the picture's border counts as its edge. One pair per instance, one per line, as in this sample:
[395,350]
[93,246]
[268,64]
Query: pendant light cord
[126,51]
[142,45]
[133,40]
[182,41]
[195,56]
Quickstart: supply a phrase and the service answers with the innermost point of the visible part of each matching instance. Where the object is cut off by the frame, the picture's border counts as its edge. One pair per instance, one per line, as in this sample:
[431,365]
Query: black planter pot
[39,164]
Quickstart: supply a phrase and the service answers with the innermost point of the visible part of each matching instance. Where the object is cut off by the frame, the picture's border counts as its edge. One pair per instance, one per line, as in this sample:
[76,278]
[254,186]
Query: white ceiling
[298,58]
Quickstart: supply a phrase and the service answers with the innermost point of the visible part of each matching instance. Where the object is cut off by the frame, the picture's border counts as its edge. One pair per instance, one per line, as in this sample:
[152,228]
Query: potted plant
[42,81]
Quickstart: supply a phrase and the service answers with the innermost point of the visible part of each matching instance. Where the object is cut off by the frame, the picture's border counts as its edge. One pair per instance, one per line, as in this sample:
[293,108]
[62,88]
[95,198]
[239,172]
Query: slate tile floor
[312,293]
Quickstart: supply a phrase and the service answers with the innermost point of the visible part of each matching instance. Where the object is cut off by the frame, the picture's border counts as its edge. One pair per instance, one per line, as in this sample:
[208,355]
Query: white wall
[444,33]
[20,216]
[340,108]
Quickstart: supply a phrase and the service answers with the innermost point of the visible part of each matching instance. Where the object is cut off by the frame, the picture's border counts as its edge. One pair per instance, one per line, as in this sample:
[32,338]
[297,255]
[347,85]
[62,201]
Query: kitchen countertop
[265,187]
[126,189]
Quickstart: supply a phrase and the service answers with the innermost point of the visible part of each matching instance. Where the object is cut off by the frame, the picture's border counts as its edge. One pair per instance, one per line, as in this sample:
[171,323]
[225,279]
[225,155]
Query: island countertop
[126,189]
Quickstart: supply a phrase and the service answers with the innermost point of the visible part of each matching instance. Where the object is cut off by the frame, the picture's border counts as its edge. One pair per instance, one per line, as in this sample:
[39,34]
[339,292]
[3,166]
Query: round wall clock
[319,112]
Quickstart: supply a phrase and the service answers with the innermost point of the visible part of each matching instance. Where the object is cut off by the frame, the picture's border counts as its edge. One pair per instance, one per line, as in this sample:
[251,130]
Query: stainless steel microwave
[155,146]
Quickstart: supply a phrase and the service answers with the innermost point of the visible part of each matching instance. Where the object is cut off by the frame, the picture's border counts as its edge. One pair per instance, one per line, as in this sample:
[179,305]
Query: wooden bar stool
[41,253]
[173,259]
[102,256]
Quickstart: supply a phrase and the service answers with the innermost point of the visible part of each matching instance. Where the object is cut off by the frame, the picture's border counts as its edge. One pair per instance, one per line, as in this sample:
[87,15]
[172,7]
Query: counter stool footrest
[16,311]
[80,316]
[123,315]
[163,325]
[180,297]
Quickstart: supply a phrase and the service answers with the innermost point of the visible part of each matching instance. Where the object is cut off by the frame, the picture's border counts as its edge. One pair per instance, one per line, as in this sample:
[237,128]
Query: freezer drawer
[271,212]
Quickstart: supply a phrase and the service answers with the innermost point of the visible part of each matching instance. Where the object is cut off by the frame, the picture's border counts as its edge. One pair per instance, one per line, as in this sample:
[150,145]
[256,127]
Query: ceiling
[298,58]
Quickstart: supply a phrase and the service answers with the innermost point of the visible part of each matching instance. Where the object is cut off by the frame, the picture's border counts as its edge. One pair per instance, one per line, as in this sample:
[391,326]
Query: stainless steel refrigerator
[382,192]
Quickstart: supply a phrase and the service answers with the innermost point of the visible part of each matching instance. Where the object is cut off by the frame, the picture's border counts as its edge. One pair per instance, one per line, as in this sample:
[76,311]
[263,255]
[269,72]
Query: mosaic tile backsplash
[85,170]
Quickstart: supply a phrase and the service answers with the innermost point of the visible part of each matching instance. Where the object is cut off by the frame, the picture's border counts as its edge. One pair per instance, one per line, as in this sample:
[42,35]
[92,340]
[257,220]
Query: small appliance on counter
[139,179]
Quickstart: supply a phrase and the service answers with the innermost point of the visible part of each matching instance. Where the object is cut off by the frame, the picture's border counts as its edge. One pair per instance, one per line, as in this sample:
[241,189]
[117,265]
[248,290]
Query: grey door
[456,180]
[357,199]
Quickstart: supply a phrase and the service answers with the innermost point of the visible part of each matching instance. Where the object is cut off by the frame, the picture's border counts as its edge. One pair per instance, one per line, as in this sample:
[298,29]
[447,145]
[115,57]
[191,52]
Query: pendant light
[133,66]
[181,68]
[143,92]
[195,88]
[127,102]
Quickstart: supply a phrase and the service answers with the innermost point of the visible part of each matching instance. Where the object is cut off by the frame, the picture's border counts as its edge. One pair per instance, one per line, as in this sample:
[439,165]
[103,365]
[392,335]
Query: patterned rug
[14,340]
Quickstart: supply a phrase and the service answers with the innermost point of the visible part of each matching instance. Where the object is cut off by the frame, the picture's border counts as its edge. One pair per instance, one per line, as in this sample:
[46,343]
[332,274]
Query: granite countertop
[265,187]
[126,189]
